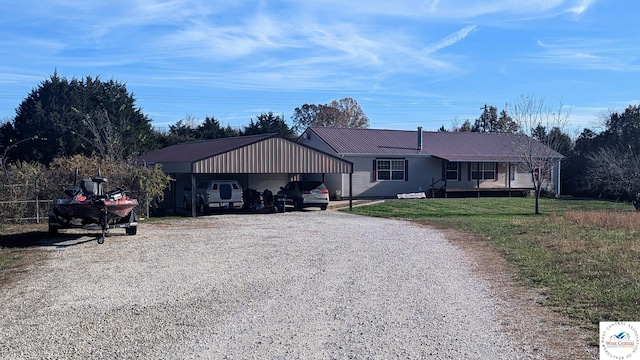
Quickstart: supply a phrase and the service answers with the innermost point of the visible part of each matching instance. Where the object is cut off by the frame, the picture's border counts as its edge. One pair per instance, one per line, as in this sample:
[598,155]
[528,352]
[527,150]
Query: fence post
[37,204]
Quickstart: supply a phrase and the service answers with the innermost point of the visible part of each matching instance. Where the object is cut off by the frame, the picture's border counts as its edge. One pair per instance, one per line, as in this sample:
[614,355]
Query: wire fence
[22,211]
[23,203]
[15,209]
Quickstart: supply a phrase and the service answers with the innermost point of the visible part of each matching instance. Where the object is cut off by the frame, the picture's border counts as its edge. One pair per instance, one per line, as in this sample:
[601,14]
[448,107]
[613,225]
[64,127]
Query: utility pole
[484,119]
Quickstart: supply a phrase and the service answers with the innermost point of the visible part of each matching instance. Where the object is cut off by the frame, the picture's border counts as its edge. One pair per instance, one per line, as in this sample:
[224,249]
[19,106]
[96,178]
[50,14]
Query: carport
[242,156]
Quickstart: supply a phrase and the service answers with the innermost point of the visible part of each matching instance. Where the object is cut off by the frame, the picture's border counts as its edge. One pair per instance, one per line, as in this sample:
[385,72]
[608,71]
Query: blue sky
[407,63]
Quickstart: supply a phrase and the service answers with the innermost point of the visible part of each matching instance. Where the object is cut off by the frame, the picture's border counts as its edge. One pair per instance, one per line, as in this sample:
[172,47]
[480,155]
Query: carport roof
[265,153]
[198,150]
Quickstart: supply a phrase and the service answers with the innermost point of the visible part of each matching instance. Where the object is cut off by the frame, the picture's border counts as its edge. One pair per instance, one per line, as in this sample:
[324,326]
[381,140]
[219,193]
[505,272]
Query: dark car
[303,194]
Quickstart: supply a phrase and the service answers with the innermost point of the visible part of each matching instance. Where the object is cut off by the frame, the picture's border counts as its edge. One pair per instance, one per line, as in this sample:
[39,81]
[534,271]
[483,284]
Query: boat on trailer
[89,207]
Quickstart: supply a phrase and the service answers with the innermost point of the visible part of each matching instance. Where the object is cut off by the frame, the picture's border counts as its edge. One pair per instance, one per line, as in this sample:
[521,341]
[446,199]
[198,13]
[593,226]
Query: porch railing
[435,182]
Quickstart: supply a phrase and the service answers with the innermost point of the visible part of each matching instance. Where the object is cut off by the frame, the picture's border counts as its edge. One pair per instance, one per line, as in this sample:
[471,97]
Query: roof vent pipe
[419,137]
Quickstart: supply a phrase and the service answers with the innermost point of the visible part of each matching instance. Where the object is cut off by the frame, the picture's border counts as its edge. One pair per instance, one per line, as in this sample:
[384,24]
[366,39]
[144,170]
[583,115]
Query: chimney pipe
[419,137]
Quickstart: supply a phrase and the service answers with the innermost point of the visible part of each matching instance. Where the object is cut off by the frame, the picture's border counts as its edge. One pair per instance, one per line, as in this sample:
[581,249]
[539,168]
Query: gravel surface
[302,285]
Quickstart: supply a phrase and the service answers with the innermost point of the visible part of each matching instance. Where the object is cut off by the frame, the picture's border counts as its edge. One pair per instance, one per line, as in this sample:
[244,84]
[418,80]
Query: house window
[452,170]
[483,171]
[388,169]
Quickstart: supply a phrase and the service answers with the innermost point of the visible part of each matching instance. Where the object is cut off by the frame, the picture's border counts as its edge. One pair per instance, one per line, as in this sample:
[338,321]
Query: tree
[563,142]
[623,130]
[19,181]
[190,129]
[610,159]
[184,130]
[505,123]
[465,127]
[107,136]
[574,176]
[616,172]
[79,117]
[268,123]
[344,113]
[490,121]
[144,183]
[211,129]
[348,114]
[538,151]
[305,116]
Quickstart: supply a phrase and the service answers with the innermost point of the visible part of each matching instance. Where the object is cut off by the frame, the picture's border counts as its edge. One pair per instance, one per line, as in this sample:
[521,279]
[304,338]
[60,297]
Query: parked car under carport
[302,194]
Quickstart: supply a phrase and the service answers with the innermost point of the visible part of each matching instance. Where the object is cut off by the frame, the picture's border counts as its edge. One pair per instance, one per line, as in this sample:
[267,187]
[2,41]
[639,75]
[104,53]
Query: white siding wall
[523,179]
[421,171]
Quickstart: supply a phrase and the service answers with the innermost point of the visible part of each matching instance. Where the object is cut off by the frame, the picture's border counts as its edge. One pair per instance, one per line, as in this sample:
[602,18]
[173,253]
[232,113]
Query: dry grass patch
[607,220]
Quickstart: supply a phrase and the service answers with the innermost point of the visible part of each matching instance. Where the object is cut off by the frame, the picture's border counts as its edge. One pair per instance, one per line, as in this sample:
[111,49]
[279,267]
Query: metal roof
[198,150]
[452,146]
[268,153]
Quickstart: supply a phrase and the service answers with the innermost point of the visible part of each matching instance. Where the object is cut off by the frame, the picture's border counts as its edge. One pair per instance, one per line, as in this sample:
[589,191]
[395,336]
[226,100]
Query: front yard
[584,254]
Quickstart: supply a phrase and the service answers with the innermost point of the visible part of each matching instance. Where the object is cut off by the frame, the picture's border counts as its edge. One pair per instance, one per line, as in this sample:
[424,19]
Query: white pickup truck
[215,194]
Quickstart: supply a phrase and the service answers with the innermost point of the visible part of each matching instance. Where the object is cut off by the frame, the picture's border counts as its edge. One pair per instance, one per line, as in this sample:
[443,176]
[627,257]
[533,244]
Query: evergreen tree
[268,123]
[87,116]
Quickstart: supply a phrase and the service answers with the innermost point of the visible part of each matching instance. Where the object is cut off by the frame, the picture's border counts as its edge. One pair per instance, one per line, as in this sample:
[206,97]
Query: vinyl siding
[421,171]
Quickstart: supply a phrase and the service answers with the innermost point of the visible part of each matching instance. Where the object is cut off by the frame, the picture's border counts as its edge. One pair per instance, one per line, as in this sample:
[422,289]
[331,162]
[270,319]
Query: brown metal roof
[198,150]
[452,146]
[268,153]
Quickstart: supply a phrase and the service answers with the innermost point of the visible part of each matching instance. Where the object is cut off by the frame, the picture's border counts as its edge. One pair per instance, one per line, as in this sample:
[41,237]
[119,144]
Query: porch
[481,178]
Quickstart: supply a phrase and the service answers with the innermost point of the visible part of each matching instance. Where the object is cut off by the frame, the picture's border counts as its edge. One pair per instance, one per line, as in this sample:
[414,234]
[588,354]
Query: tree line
[89,116]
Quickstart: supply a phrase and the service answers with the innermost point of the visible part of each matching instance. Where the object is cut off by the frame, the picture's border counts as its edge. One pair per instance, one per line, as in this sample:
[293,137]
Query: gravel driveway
[297,285]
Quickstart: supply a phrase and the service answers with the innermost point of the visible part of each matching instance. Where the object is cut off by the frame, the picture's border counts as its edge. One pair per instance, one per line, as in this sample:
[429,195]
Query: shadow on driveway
[41,238]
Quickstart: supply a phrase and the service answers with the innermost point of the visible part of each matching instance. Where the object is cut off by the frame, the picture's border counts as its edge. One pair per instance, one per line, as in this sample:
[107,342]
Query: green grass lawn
[587,270]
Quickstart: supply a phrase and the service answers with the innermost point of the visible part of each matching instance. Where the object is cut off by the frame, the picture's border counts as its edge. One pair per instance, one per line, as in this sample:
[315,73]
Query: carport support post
[350,192]
[193,194]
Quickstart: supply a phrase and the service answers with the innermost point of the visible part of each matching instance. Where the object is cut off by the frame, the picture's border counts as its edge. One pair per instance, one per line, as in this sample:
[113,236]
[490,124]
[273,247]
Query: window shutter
[469,174]
[374,171]
[444,170]
[495,174]
[406,170]
[459,171]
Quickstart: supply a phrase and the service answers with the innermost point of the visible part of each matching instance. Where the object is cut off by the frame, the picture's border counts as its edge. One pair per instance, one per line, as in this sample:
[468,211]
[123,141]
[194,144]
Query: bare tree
[538,151]
[107,136]
[616,172]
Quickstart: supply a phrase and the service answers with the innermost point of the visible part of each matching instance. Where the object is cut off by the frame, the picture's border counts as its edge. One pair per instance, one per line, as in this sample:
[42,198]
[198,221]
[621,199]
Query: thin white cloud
[581,7]
[430,5]
[464,9]
[451,39]
[316,45]
[590,54]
